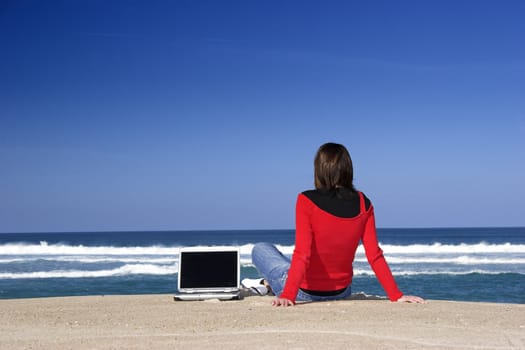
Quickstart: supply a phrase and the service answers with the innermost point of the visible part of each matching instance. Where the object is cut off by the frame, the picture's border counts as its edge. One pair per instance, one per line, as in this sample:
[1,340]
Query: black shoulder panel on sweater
[340,202]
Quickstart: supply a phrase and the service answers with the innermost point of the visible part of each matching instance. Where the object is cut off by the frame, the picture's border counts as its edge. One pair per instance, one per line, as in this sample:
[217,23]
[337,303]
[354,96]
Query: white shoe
[255,285]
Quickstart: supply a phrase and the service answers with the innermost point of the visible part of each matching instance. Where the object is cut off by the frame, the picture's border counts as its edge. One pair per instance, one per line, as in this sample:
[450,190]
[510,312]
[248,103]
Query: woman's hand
[411,299]
[282,302]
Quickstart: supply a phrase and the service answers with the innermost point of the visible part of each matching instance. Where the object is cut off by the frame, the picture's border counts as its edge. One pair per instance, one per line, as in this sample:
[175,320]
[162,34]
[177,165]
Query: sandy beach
[158,322]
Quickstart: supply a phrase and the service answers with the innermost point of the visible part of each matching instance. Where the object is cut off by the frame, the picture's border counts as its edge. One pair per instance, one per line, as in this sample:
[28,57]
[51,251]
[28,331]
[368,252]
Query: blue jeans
[273,266]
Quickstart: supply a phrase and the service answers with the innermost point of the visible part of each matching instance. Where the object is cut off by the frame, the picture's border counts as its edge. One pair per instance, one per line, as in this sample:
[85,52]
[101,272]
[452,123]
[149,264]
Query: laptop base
[207,296]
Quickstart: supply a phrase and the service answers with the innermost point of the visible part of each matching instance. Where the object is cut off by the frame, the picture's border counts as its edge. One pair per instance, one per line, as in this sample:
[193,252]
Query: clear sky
[176,115]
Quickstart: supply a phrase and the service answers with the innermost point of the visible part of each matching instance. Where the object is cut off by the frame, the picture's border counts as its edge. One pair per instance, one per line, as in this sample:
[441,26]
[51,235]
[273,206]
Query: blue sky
[177,115]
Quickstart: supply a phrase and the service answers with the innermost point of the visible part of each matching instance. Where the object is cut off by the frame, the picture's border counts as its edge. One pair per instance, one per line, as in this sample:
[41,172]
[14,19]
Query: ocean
[463,264]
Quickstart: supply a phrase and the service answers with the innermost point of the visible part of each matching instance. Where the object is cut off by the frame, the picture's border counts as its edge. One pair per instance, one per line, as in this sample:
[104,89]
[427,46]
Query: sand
[158,322]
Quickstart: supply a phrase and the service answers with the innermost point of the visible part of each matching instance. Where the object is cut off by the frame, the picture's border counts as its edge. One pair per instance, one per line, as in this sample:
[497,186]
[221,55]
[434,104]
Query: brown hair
[333,167]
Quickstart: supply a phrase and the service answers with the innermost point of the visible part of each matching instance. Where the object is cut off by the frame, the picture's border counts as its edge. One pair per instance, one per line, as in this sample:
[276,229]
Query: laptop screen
[209,269]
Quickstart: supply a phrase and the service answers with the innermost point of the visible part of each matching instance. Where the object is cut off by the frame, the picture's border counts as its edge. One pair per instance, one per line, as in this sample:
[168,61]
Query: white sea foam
[150,269]
[416,259]
[129,269]
[463,248]
[92,259]
[459,260]
[246,260]
[62,249]
[364,272]
[435,248]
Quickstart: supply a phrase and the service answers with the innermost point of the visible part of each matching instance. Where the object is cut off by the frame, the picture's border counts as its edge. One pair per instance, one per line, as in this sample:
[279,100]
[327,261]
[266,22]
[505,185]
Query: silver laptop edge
[223,293]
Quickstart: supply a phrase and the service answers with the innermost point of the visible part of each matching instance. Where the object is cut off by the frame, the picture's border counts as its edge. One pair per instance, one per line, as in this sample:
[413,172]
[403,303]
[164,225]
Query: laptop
[208,273]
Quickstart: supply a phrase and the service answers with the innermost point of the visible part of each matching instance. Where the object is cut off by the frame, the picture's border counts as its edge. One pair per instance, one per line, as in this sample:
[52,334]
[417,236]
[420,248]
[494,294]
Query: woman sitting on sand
[330,222]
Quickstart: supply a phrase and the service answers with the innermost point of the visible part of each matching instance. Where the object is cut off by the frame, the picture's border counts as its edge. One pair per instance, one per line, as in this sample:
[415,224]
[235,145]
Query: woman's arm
[377,261]
[302,251]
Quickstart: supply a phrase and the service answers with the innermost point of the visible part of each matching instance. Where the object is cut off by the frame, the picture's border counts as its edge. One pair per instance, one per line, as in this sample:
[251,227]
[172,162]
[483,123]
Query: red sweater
[325,247]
